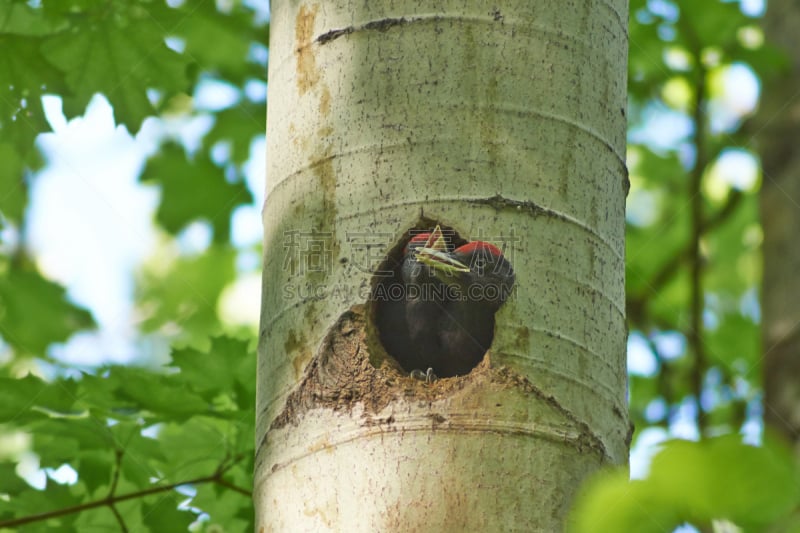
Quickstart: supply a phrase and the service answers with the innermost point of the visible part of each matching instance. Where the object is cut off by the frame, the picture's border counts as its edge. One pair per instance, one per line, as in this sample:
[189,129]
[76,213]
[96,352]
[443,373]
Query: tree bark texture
[778,129]
[502,122]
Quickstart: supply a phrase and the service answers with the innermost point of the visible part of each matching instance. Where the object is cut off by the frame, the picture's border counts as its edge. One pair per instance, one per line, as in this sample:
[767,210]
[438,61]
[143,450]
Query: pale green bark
[495,121]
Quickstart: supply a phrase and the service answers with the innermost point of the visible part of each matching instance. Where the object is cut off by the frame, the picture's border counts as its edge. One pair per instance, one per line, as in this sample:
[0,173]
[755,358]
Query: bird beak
[436,240]
[440,261]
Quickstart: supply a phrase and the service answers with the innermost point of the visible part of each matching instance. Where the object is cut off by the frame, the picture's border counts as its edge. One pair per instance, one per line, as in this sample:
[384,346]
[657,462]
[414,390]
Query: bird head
[477,268]
[432,240]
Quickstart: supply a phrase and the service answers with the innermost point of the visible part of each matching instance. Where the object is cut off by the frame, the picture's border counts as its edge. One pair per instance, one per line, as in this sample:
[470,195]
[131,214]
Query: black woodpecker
[479,280]
[408,315]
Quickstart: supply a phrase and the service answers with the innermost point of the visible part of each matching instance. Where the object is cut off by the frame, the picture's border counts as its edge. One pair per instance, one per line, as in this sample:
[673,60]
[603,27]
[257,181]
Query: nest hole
[413,325]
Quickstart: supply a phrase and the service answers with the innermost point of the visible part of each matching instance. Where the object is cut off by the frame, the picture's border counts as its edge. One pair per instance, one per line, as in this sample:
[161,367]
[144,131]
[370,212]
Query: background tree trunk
[503,124]
[778,127]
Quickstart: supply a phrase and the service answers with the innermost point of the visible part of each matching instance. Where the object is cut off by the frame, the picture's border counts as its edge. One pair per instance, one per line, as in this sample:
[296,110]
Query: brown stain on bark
[325,173]
[308,78]
[325,102]
[323,170]
[307,73]
[294,347]
[522,339]
[293,342]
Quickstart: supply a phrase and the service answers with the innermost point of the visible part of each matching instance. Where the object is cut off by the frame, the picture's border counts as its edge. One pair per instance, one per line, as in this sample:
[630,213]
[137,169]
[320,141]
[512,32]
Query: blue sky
[90,223]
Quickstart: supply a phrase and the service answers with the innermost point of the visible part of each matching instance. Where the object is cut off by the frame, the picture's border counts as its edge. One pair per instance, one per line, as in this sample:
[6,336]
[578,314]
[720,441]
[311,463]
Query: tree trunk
[504,124]
[778,128]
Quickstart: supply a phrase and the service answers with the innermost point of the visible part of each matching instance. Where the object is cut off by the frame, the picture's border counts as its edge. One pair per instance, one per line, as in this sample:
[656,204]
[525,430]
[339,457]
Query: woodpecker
[480,280]
[441,322]
[406,316]
[425,298]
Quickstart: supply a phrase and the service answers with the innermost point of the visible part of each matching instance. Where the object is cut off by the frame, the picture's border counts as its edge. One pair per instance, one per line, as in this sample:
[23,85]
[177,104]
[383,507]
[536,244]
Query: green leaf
[18,18]
[658,171]
[117,49]
[646,68]
[139,454]
[58,441]
[642,390]
[723,478]
[59,8]
[216,369]
[88,433]
[164,515]
[186,295]
[711,23]
[21,113]
[218,39]
[697,482]
[767,61]
[239,125]
[30,398]
[161,396]
[736,339]
[231,510]
[10,482]
[102,519]
[734,265]
[14,195]
[34,312]
[34,501]
[195,448]
[609,502]
[650,247]
[218,43]
[97,393]
[212,197]
[94,469]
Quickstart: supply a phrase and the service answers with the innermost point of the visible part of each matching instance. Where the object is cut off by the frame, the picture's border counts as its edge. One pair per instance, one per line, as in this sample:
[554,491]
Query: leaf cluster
[161,448]
[700,483]
[152,450]
[693,239]
[145,56]
[693,270]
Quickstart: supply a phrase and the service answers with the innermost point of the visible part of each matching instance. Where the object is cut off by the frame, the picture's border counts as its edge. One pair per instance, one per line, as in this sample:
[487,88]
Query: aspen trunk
[505,124]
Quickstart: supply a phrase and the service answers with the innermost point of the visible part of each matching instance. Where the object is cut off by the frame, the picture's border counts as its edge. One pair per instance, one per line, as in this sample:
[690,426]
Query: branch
[120,520]
[113,488]
[695,333]
[228,485]
[117,467]
[111,500]
[670,268]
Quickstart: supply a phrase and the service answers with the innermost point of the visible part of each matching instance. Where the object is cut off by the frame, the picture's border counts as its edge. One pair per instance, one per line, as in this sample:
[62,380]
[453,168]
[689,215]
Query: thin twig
[670,268]
[111,501]
[695,333]
[117,467]
[228,485]
[120,520]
